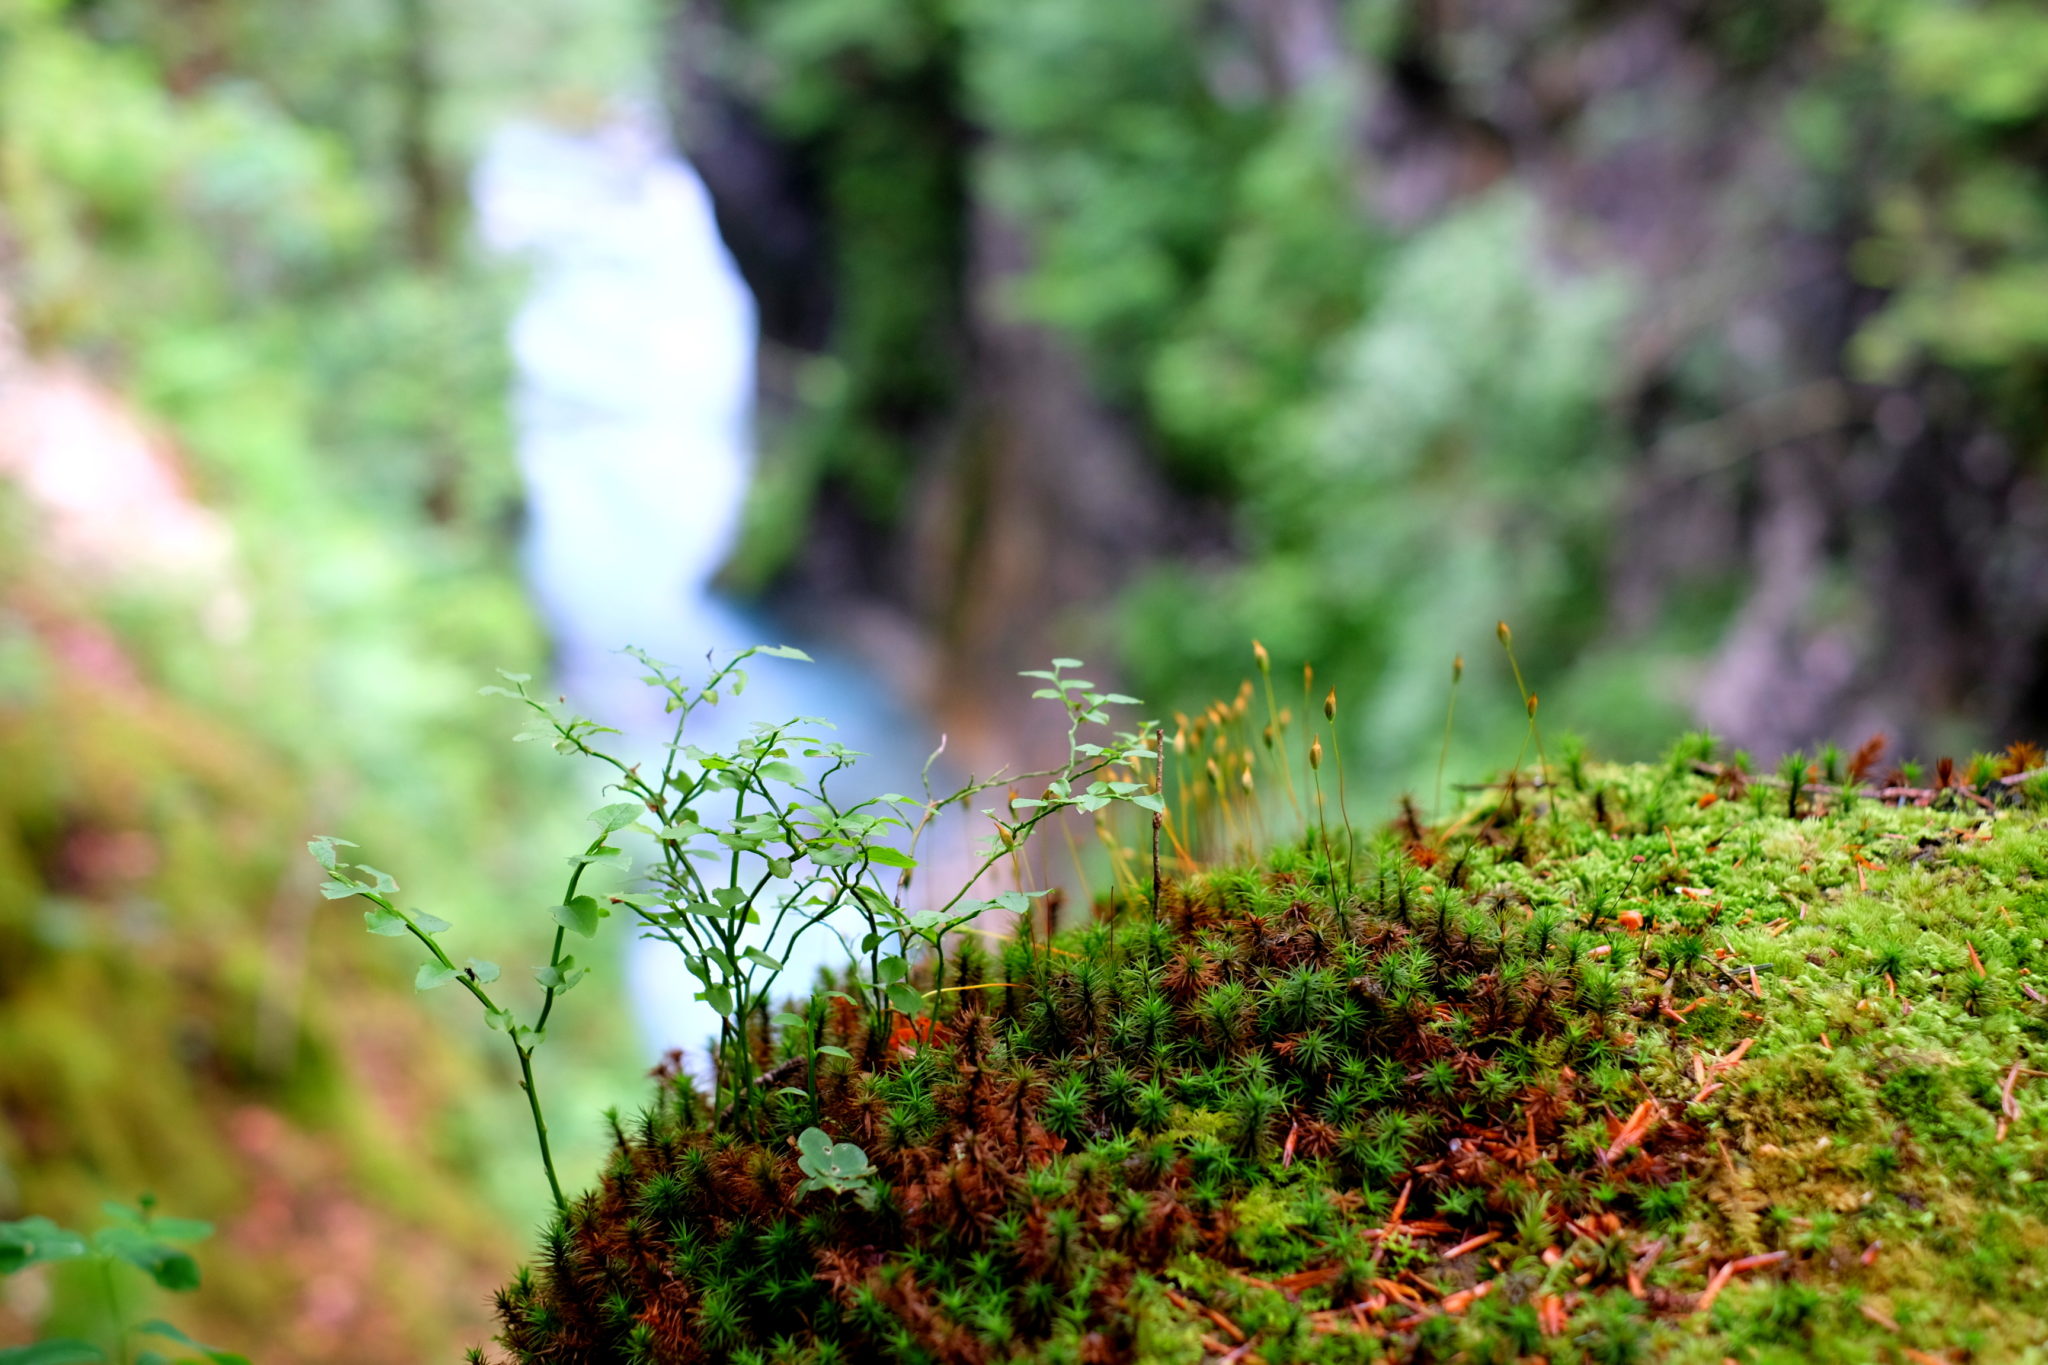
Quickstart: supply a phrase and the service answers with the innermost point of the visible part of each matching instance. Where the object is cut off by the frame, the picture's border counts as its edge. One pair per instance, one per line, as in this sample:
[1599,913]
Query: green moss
[1626,1038]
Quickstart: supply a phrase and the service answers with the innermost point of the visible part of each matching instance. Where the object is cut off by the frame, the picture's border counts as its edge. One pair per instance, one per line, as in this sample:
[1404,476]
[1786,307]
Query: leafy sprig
[750,848]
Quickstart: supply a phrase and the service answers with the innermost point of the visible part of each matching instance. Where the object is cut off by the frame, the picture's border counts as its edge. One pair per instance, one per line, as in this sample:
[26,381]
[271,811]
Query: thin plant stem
[1080,872]
[540,1126]
[814,1034]
[114,1309]
[469,982]
[555,956]
[1158,816]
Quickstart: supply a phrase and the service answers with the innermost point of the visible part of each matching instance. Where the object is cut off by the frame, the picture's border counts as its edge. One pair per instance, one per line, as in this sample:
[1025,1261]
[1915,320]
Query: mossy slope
[1665,1072]
[155,1037]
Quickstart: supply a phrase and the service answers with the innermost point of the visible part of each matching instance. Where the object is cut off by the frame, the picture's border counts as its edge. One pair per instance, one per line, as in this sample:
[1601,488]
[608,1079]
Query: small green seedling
[837,1167]
[137,1238]
[746,851]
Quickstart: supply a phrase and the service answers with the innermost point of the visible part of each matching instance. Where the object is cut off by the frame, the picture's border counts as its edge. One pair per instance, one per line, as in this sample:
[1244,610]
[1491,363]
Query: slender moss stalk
[1507,642]
[1275,723]
[1450,713]
[1315,770]
[1343,801]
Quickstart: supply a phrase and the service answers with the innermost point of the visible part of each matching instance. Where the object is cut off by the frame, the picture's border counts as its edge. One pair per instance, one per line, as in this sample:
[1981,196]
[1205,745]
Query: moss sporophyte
[1604,1063]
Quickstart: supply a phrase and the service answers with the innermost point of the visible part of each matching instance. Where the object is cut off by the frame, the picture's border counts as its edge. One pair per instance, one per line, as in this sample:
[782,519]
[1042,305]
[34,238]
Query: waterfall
[634,358]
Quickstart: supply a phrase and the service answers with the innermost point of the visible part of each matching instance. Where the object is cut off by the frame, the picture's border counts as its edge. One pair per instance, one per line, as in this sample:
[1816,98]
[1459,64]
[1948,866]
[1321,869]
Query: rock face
[1804,427]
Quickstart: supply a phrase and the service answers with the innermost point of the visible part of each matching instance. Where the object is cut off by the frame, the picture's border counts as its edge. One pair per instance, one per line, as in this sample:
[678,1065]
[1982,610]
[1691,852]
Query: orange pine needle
[1400,1206]
[1741,1049]
[1631,1132]
[1471,1244]
[1714,1288]
[1757,1262]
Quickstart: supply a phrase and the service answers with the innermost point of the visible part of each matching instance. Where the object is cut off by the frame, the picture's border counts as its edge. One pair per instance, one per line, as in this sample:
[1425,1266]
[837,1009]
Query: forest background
[1702,339]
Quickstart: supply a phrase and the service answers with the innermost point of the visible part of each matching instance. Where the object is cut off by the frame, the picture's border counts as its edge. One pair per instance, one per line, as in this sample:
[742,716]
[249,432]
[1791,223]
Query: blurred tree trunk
[764,189]
[197,43]
[428,199]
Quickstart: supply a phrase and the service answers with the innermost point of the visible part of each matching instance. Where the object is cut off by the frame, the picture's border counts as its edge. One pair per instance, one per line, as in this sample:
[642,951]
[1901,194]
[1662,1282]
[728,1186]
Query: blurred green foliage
[217,212]
[134,1239]
[1420,416]
[1960,227]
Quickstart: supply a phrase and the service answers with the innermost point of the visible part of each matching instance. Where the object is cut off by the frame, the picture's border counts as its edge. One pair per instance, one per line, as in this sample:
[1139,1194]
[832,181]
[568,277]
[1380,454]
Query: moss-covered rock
[1662,1063]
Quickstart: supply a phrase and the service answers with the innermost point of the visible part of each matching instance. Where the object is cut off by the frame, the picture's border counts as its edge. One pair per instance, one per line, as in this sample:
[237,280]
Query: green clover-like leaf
[382,920]
[171,1268]
[580,915]
[322,848]
[610,819]
[432,975]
